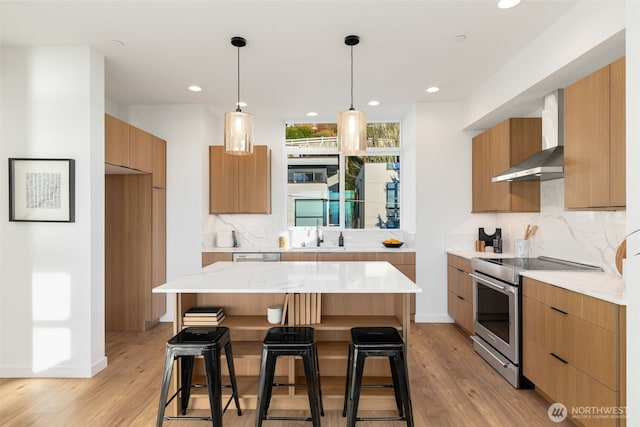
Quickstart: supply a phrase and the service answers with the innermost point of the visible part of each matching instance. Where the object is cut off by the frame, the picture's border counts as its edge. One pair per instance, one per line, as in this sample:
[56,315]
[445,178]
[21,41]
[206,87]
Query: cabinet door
[223,181]
[499,161]
[525,135]
[480,173]
[140,150]
[586,144]
[254,181]
[158,250]
[159,168]
[618,133]
[116,141]
[534,342]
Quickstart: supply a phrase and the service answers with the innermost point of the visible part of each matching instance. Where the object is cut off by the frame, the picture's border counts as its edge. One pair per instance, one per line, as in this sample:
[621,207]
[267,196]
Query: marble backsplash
[259,231]
[590,237]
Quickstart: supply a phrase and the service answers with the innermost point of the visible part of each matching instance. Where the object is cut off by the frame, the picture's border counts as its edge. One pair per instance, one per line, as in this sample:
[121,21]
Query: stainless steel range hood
[549,163]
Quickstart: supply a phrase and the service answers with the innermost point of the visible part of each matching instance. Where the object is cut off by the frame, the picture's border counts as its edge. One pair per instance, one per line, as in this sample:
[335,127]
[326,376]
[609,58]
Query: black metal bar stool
[289,341]
[377,341]
[188,343]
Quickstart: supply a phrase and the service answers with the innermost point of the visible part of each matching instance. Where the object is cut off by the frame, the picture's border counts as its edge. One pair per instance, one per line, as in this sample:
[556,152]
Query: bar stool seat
[377,341]
[188,343]
[289,341]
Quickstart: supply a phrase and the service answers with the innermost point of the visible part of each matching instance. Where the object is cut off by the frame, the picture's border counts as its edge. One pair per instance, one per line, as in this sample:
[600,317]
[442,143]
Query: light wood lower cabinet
[460,292]
[573,351]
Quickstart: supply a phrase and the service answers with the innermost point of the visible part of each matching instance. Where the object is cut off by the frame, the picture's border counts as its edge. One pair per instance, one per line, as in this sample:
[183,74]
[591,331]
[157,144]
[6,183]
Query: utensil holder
[521,248]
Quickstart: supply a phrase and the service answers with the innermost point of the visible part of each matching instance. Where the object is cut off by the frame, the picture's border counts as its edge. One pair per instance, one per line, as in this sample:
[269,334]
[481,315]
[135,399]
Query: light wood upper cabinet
[140,150]
[116,141]
[594,138]
[496,150]
[134,148]
[159,156]
[240,184]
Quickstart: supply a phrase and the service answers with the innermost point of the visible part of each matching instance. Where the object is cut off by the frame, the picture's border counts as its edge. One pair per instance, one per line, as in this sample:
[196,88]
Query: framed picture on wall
[42,190]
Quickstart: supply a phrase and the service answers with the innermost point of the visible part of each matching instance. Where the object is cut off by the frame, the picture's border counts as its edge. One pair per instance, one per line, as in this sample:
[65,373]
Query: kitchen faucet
[319,238]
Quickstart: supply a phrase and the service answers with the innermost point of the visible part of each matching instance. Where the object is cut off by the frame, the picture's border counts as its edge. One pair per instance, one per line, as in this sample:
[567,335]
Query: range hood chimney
[549,163]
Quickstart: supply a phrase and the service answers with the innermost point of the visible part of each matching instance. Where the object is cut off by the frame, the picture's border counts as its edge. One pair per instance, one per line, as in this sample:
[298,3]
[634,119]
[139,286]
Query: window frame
[370,152]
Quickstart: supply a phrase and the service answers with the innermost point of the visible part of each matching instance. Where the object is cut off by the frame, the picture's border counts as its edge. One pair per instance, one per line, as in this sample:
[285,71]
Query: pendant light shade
[352,124]
[352,132]
[238,125]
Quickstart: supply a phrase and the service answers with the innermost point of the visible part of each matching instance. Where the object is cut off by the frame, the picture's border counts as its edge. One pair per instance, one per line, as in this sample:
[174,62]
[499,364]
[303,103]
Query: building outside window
[327,188]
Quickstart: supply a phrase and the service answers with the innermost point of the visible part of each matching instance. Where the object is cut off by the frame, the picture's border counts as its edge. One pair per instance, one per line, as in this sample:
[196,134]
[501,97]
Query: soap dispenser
[340,240]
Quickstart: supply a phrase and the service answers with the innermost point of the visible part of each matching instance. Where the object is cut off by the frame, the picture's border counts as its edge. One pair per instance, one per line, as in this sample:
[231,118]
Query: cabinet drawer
[459,283]
[591,394]
[596,353]
[561,381]
[459,262]
[593,310]
[461,311]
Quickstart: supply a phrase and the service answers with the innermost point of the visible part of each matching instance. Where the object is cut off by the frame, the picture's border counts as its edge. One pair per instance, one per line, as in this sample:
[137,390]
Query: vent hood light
[548,163]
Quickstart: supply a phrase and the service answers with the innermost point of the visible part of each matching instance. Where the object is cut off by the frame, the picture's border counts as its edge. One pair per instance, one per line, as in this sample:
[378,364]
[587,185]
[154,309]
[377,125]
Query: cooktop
[541,263]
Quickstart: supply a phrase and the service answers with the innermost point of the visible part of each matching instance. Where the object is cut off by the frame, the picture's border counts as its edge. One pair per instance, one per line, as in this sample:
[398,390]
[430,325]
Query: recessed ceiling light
[433,89]
[374,103]
[194,88]
[118,43]
[508,4]
[312,114]
[241,104]
[460,37]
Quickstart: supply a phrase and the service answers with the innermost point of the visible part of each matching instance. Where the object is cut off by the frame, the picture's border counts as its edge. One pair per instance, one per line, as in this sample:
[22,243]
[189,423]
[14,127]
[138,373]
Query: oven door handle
[493,285]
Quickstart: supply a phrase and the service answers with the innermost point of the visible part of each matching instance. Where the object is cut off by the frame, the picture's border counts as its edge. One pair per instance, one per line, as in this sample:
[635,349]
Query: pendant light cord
[351,108]
[238,104]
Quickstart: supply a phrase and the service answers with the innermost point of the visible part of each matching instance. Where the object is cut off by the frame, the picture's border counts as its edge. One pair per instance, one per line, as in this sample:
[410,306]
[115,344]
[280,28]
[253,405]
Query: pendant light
[352,124]
[238,125]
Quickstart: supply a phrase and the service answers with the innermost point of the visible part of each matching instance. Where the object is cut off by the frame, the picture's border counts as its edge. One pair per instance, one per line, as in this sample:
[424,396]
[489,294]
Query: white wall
[52,289]
[443,199]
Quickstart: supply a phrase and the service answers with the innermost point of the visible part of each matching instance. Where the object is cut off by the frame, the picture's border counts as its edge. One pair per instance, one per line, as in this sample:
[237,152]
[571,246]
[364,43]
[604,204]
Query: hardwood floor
[450,386]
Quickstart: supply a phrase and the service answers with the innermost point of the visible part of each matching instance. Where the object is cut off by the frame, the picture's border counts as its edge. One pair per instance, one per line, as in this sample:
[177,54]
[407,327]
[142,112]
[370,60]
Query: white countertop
[468,254]
[604,286]
[298,277]
[338,249]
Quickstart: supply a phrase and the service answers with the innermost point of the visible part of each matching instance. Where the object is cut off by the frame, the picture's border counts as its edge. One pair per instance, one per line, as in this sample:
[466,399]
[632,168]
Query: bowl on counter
[392,244]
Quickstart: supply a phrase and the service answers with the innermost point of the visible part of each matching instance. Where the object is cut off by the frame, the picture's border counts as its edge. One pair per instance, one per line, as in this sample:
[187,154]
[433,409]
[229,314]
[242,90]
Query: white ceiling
[295,60]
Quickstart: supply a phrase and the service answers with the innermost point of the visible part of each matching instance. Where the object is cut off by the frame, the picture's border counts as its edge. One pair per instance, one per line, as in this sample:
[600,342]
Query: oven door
[495,314]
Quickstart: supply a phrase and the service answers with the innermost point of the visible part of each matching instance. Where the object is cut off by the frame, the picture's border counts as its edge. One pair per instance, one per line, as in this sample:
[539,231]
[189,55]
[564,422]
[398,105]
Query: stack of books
[302,309]
[203,316]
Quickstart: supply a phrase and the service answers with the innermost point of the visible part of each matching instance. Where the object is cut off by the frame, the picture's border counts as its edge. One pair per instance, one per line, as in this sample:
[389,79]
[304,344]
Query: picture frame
[41,190]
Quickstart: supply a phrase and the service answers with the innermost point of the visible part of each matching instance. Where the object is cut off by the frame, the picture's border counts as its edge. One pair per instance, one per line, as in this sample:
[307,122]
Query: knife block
[488,238]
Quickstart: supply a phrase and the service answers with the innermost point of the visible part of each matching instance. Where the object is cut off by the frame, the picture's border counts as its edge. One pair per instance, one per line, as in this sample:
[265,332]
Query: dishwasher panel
[256,257]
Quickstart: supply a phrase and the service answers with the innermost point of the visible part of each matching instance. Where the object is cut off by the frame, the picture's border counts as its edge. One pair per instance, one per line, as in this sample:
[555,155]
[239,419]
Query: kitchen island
[358,293]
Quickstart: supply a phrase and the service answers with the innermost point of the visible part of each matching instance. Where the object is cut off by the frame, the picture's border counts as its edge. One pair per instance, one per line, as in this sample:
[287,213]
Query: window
[325,187]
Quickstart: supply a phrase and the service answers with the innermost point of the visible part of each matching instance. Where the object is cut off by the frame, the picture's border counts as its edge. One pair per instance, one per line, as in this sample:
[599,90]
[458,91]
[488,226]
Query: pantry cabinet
[135,227]
[495,151]
[573,349]
[460,292]
[595,140]
[240,184]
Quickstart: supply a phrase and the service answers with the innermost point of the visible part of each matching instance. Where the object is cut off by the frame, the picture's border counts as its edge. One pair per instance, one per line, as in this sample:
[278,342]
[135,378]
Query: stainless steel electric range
[497,309]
